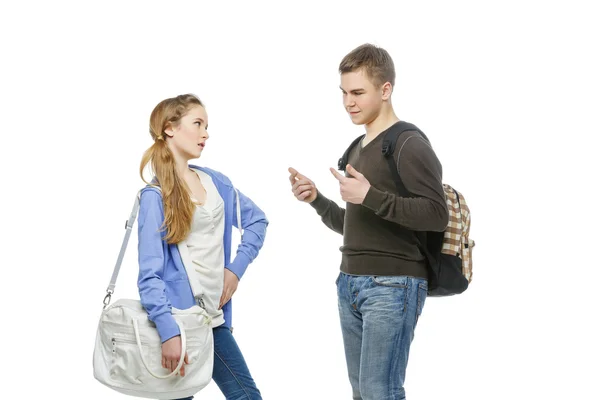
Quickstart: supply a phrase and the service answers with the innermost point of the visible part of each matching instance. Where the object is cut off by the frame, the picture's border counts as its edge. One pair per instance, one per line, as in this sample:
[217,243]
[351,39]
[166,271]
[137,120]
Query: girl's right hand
[171,353]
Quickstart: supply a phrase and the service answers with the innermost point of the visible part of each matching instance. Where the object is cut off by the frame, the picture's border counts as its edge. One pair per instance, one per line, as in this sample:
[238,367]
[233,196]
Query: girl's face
[188,137]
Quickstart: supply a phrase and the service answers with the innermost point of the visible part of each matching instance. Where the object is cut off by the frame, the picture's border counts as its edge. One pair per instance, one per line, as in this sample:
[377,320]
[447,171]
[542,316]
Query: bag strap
[239,212]
[128,227]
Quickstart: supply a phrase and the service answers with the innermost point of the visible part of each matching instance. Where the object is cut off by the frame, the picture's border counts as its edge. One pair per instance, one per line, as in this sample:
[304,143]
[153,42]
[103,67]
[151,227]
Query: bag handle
[128,227]
[181,359]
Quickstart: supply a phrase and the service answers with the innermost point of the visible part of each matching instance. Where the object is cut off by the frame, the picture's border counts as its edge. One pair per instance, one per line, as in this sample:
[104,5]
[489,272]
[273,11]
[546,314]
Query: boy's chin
[356,120]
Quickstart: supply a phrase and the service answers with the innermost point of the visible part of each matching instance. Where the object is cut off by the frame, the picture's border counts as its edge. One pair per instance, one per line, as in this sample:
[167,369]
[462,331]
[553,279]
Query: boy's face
[362,99]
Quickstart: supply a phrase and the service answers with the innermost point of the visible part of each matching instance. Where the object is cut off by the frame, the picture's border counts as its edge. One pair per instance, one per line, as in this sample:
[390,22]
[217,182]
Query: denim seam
[395,367]
[234,375]
[418,307]
[395,361]
[406,293]
[421,305]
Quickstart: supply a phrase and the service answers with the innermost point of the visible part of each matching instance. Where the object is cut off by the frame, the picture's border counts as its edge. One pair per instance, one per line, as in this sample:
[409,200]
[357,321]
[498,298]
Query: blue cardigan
[162,281]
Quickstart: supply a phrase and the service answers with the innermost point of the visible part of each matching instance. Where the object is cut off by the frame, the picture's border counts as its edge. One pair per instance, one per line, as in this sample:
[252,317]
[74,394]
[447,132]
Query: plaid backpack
[449,253]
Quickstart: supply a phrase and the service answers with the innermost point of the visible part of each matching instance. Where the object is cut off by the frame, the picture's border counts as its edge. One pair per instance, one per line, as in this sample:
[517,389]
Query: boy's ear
[386,91]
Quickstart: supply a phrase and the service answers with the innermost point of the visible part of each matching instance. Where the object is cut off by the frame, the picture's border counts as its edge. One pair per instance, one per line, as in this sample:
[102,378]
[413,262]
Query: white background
[508,93]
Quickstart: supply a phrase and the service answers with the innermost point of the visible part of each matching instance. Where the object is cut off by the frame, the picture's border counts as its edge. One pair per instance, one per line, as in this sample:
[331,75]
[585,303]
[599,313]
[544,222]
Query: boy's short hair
[376,62]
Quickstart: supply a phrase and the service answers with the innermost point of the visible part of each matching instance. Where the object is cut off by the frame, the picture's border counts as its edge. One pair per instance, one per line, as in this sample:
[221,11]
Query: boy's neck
[383,121]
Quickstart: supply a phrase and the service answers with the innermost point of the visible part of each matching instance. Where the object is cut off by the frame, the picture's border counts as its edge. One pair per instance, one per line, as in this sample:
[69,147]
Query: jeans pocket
[391,281]
[390,290]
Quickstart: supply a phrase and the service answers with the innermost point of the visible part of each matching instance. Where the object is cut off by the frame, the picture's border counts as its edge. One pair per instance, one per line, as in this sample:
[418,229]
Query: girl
[186,217]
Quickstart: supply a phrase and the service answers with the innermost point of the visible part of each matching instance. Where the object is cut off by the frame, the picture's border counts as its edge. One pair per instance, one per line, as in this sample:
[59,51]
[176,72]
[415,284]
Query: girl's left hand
[229,287]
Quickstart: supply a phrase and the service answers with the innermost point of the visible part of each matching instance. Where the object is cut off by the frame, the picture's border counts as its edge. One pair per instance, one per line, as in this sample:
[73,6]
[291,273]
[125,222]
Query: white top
[205,249]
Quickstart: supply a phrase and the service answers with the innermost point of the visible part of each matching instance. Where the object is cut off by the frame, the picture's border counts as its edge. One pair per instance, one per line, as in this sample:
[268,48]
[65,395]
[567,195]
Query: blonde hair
[178,206]
[377,63]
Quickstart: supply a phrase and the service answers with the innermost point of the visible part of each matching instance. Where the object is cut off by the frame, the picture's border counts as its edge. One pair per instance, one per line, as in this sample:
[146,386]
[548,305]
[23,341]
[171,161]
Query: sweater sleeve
[151,262]
[254,223]
[331,214]
[421,173]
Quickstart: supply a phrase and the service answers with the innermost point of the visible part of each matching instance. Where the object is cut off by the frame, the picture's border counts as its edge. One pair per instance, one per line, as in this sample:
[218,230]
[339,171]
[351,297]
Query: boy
[382,283]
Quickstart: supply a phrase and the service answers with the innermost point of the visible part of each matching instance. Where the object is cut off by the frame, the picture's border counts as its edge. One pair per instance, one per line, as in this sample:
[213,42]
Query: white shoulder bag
[128,352]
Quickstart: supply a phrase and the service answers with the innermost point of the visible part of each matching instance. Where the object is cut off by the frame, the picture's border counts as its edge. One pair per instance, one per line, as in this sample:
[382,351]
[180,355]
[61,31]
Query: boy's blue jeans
[378,315]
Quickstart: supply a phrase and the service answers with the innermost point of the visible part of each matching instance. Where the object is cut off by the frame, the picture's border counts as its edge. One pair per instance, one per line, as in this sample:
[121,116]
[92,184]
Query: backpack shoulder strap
[388,145]
[430,243]
[342,162]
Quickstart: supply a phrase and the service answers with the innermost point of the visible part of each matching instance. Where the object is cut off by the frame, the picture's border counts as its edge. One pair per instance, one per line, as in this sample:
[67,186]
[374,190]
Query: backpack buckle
[386,147]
